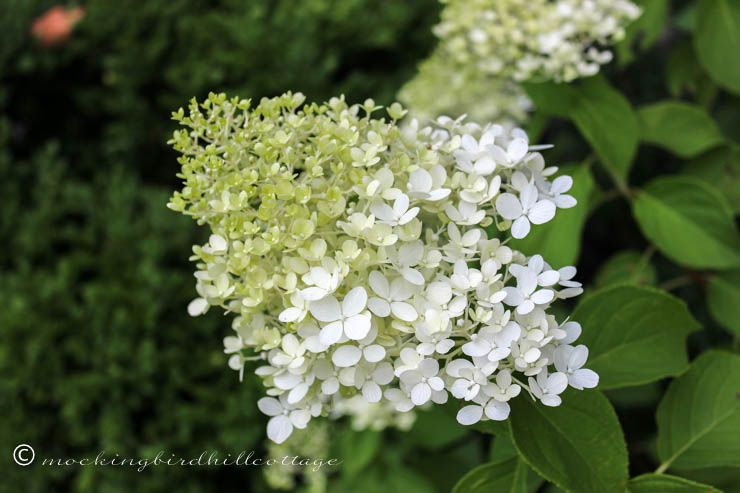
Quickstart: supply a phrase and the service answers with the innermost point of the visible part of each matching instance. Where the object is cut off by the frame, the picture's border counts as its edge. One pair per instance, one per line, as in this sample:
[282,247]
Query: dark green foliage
[97,350]
[128,63]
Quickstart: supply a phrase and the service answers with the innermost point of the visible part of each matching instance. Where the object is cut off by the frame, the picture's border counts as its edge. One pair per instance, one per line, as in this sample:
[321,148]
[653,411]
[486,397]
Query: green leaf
[724,478]
[502,448]
[550,97]
[664,483]
[578,445]
[634,335]
[684,73]
[626,267]
[559,241]
[605,118]
[717,41]
[699,416]
[689,221]
[723,298]
[646,395]
[681,128]
[434,428]
[721,169]
[357,448]
[643,32]
[493,427]
[508,476]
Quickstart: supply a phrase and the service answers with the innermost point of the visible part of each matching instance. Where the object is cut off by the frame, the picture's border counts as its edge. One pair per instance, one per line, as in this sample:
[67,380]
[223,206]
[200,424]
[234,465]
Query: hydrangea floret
[367,262]
[558,40]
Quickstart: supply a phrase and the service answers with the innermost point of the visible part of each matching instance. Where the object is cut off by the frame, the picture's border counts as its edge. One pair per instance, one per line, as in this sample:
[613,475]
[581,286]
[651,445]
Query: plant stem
[676,282]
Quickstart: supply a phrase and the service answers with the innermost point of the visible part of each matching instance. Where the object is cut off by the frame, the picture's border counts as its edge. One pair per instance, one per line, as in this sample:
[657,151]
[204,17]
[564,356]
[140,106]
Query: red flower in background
[55,26]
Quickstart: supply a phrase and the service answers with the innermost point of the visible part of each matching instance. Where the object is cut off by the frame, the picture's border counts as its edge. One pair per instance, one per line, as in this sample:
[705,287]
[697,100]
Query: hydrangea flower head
[366,265]
[533,39]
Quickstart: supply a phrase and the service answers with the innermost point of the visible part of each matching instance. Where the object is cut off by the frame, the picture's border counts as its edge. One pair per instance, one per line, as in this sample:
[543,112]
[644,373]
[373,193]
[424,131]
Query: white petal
[436,383]
[354,302]
[401,290]
[551,400]
[573,331]
[286,380]
[528,196]
[420,180]
[541,212]
[583,379]
[561,184]
[469,143]
[508,206]
[484,166]
[401,205]
[382,211]
[357,327]
[326,309]
[453,367]
[578,357]
[443,347]
[429,367]
[320,277]
[542,296]
[270,406]
[513,296]
[497,411]
[371,392]
[421,393]
[379,307]
[408,216]
[300,418]
[374,353]
[404,311]
[476,348]
[567,272]
[290,314]
[520,228]
[439,292]
[290,344]
[197,307]
[517,149]
[297,393]
[346,356]
[218,243]
[331,333]
[279,428]
[557,383]
[379,284]
[413,276]
[469,415]
[383,374]
[313,293]
[330,386]
[560,357]
[565,201]
[548,278]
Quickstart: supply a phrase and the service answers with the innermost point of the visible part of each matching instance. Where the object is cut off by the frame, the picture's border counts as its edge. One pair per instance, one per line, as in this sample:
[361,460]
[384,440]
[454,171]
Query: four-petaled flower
[524,209]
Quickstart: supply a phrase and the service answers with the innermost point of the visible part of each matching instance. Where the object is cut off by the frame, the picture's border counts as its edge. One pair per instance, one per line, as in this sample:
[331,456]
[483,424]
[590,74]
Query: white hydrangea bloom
[533,39]
[368,265]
